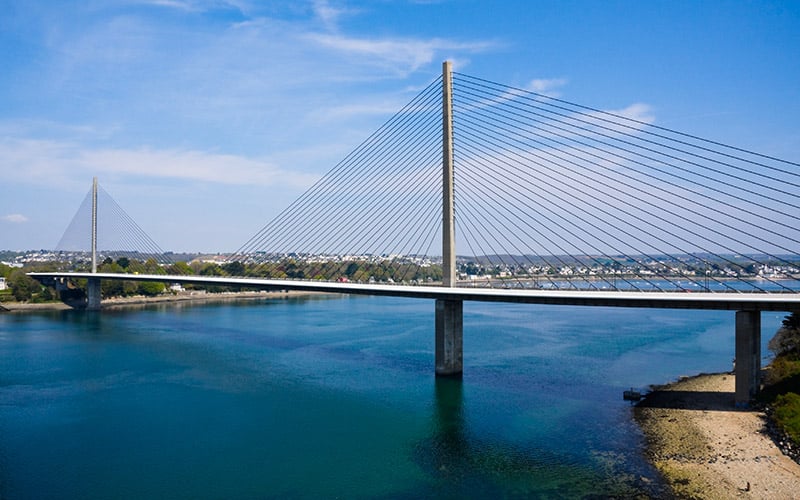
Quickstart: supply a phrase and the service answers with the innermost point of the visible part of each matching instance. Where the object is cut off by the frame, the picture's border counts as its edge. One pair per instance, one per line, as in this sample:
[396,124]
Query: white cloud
[194,166]
[14,218]
[548,87]
[55,163]
[637,111]
[327,14]
[174,4]
[189,5]
[407,53]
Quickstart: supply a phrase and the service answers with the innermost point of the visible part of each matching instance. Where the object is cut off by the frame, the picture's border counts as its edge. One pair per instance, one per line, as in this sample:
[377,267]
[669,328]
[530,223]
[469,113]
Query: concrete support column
[449,337]
[449,277]
[748,356]
[94,225]
[449,313]
[93,294]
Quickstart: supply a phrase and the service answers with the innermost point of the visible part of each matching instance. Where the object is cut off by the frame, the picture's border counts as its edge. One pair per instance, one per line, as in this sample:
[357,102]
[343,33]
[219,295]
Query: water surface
[335,397]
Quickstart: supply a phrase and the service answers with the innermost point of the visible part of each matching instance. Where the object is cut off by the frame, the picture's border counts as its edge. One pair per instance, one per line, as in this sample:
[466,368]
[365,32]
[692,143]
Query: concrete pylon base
[93,294]
[748,356]
[449,337]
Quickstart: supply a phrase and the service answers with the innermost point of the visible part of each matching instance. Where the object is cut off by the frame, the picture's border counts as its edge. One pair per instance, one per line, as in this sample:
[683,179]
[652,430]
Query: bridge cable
[649,125]
[706,227]
[650,213]
[341,168]
[772,256]
[328,178]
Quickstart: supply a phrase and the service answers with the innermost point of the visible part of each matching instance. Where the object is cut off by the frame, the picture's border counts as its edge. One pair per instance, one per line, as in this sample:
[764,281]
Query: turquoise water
[325,397]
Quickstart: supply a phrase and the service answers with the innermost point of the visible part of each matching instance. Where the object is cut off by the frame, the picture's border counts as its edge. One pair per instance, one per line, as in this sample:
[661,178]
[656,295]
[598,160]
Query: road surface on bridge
[605,298]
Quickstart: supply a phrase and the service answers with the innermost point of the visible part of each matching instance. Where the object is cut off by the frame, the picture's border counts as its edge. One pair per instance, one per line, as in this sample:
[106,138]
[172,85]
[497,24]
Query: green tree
[129,288]
[786,341]
[111,288]
[108,266]
[22,286]
[151,288]
[277,274]
[290,268]
[233,268]
[151,266]
[210,269]
[180,268]
[352,268]
[46,294]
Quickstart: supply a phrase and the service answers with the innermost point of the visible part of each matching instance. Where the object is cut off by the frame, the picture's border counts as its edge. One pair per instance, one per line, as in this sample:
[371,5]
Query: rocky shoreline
[705,448]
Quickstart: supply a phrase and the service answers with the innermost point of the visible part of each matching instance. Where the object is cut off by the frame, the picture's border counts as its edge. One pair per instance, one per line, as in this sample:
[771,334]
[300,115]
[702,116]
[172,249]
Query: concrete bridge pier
[449,313]
[93,294]
[449,337]
[748,356]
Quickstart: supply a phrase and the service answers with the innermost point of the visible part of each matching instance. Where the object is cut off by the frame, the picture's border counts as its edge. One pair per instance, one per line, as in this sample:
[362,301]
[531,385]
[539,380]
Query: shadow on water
[460,464]
[446,454]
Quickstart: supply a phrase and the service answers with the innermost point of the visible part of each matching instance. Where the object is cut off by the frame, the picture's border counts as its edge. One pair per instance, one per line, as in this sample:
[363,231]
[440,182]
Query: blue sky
[204,118]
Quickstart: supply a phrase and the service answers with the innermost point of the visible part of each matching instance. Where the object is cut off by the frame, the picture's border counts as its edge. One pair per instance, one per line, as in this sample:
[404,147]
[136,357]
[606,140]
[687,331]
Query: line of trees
[289,268]
[22,288]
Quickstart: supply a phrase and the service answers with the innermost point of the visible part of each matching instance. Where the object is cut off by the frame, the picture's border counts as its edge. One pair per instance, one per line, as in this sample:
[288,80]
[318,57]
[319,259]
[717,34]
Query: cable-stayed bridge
[102,224]
[481,191]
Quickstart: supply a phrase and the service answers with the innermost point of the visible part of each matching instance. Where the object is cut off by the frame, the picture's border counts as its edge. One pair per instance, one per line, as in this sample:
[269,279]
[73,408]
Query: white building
[2,283]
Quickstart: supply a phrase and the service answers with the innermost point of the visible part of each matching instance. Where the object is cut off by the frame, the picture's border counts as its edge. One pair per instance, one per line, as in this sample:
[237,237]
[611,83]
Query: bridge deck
[666,300]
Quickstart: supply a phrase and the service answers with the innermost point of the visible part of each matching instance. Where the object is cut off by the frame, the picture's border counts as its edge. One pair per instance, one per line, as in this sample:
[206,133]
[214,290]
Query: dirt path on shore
[707,449]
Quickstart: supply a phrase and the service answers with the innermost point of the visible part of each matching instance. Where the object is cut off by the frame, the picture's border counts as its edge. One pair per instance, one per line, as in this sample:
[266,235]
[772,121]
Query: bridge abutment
[93,294]
[449,337]
[748,356]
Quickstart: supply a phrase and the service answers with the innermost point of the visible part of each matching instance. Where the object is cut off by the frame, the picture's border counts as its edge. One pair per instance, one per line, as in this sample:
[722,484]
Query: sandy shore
[707,449]
[24,306]
[161,299]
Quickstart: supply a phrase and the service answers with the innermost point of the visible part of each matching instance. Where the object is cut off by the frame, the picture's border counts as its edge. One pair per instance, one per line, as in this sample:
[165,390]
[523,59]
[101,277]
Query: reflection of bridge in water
[527,184]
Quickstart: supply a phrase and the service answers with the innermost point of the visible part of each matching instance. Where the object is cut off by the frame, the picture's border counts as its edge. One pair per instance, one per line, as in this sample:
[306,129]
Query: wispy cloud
[55,163]
[216,96]
[549,87]
[190,5]
[14,218]
[405,54]
[637,111]
[230,74]
[193,166]
[174,4]
[328,14]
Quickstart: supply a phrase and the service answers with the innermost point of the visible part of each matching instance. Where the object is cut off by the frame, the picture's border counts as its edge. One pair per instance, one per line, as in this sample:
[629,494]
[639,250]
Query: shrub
[151,288]
[781,368]
[787,414]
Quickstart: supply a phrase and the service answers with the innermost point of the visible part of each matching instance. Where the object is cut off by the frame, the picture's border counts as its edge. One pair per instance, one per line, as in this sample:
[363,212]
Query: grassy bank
[780,398]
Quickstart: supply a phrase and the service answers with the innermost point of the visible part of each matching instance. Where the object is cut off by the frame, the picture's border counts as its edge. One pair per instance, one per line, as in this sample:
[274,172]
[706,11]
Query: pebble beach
[705,448]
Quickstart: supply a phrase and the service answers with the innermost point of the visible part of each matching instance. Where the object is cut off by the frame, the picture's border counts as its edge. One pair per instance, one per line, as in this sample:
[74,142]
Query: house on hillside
[2,283]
